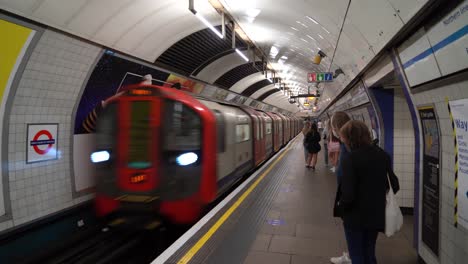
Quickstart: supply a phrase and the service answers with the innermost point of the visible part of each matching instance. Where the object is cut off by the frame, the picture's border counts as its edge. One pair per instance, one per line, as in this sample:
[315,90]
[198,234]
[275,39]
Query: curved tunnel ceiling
[292,32]
[197,50]
[289,32]
[228,79]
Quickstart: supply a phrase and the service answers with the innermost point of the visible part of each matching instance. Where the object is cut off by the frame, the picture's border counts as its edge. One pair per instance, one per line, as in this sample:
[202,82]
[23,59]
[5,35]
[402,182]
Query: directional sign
[42,142]
[320,77]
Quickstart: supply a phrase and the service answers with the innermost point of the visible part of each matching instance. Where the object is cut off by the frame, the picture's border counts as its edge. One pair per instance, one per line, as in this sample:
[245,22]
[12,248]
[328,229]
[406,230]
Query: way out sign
[42,142]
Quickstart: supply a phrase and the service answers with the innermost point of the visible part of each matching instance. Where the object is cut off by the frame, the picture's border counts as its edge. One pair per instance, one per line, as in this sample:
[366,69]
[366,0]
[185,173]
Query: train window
[242,132]
[182,127]
[258,130]
[261,128]
[140,134]
[268,128]
[221,130]
[106,129]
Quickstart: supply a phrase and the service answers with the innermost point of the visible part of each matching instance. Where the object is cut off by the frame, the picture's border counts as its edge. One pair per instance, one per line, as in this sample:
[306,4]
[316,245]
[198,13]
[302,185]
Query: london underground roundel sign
[42,142]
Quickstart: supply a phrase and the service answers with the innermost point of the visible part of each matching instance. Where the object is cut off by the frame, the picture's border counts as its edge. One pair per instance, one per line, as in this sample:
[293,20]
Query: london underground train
[162,152]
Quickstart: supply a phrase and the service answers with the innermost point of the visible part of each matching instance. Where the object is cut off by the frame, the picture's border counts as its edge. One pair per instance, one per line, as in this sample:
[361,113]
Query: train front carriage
[155,153]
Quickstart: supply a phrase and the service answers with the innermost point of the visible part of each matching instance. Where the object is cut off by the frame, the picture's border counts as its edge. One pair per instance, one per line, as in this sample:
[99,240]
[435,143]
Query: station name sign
[320,77]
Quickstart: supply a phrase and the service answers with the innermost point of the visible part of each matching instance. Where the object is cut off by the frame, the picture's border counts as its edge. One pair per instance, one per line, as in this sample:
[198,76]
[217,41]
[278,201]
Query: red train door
[138,136]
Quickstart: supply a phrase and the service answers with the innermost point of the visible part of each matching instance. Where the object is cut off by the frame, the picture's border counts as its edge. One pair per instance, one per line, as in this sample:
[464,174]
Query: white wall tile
[47,92]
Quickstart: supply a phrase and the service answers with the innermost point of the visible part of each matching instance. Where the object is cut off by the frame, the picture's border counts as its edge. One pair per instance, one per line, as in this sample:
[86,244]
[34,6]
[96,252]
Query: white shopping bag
[393,216]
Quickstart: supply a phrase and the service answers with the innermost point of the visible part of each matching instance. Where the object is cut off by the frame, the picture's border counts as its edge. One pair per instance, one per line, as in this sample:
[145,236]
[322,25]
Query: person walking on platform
[312,143]
[361,198]
[305,130]
[337,121]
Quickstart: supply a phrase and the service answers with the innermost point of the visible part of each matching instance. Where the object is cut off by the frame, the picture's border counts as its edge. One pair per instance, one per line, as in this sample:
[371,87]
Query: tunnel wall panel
[453,240]
[46,93]
[403,149]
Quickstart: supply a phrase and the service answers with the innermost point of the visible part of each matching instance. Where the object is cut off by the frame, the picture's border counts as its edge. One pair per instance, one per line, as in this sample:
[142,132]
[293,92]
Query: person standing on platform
[338,120]
[305,130]
[325,134]
[312,143]
[334,151]
[362,192]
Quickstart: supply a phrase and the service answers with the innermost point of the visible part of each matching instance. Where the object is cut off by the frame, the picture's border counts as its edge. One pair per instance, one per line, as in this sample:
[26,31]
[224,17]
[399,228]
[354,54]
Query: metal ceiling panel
[266,94]
[194,50]
[231,77]
[214,69]
[255,87]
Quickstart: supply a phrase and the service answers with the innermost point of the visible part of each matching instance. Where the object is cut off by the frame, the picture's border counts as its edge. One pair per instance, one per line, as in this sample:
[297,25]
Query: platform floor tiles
[300,227]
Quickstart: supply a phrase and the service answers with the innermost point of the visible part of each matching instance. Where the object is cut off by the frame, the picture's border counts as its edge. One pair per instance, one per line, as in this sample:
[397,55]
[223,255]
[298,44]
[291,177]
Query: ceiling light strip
[208,24]
[242,55]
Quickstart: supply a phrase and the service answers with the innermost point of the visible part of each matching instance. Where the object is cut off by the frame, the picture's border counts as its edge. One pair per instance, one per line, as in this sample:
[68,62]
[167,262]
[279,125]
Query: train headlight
[100,156]
[186,159]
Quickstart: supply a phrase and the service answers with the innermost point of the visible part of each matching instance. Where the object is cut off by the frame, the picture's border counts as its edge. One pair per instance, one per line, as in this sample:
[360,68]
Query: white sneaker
[342,259]
[332,169]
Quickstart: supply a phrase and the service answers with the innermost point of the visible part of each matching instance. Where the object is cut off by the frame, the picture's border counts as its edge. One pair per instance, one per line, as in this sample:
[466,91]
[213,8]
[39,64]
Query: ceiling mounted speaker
[318,58]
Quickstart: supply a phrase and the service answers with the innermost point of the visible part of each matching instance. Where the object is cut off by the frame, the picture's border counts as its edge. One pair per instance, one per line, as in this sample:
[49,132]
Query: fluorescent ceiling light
[320,36]
[242,55]
[202,19]
[269,79]
[250,19]
[326,30]
[310,37]
[302,24]
[274,51]
[253,12]
[311,19]
[284,57]
[304,40]
[295,28]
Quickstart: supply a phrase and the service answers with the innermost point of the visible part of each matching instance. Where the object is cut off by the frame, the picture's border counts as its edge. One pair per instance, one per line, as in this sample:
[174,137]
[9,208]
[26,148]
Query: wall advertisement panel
[431,179]
[11,54]
[459,114]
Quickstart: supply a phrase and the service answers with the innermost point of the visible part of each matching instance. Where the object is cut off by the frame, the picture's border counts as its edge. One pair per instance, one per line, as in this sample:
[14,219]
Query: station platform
[282,214]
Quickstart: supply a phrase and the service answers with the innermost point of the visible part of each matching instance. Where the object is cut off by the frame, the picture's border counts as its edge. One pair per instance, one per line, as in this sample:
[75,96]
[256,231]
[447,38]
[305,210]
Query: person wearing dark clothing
[361,196]
[312,145]
[338,120]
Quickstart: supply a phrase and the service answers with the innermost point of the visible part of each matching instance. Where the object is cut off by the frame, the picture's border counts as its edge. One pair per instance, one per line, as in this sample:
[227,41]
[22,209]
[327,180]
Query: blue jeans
[361,245]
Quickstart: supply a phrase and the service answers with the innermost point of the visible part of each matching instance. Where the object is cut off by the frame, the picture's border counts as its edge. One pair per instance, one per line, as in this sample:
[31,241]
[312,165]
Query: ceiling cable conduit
[339,35]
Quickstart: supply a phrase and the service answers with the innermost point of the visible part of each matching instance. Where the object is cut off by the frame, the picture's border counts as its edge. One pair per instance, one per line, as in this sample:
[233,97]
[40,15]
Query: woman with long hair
[312,143]
[361,198]
[333,151]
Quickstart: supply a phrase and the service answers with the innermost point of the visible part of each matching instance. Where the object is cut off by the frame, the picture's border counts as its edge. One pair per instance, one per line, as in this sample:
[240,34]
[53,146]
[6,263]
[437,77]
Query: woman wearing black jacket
[311,142]
[361,197]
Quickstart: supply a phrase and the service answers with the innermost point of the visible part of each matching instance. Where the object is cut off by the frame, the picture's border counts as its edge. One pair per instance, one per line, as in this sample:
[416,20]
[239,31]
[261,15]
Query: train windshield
[182,127]
[140,135]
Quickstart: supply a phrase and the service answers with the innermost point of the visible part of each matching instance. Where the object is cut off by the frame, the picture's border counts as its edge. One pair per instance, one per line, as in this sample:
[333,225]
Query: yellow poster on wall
[15,41]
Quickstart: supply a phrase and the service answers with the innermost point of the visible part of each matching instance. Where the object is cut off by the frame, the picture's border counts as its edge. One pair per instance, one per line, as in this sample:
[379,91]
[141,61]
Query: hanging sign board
[313,77]
[431,179]
[459,114]
[41,142]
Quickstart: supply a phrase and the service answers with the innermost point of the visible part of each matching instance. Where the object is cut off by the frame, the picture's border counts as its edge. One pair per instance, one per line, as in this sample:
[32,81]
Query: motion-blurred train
[161,151]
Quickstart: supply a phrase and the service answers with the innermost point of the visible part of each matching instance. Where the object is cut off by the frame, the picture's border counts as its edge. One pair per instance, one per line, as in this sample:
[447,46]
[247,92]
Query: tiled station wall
[453,241]
[47,92]
[403,149]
